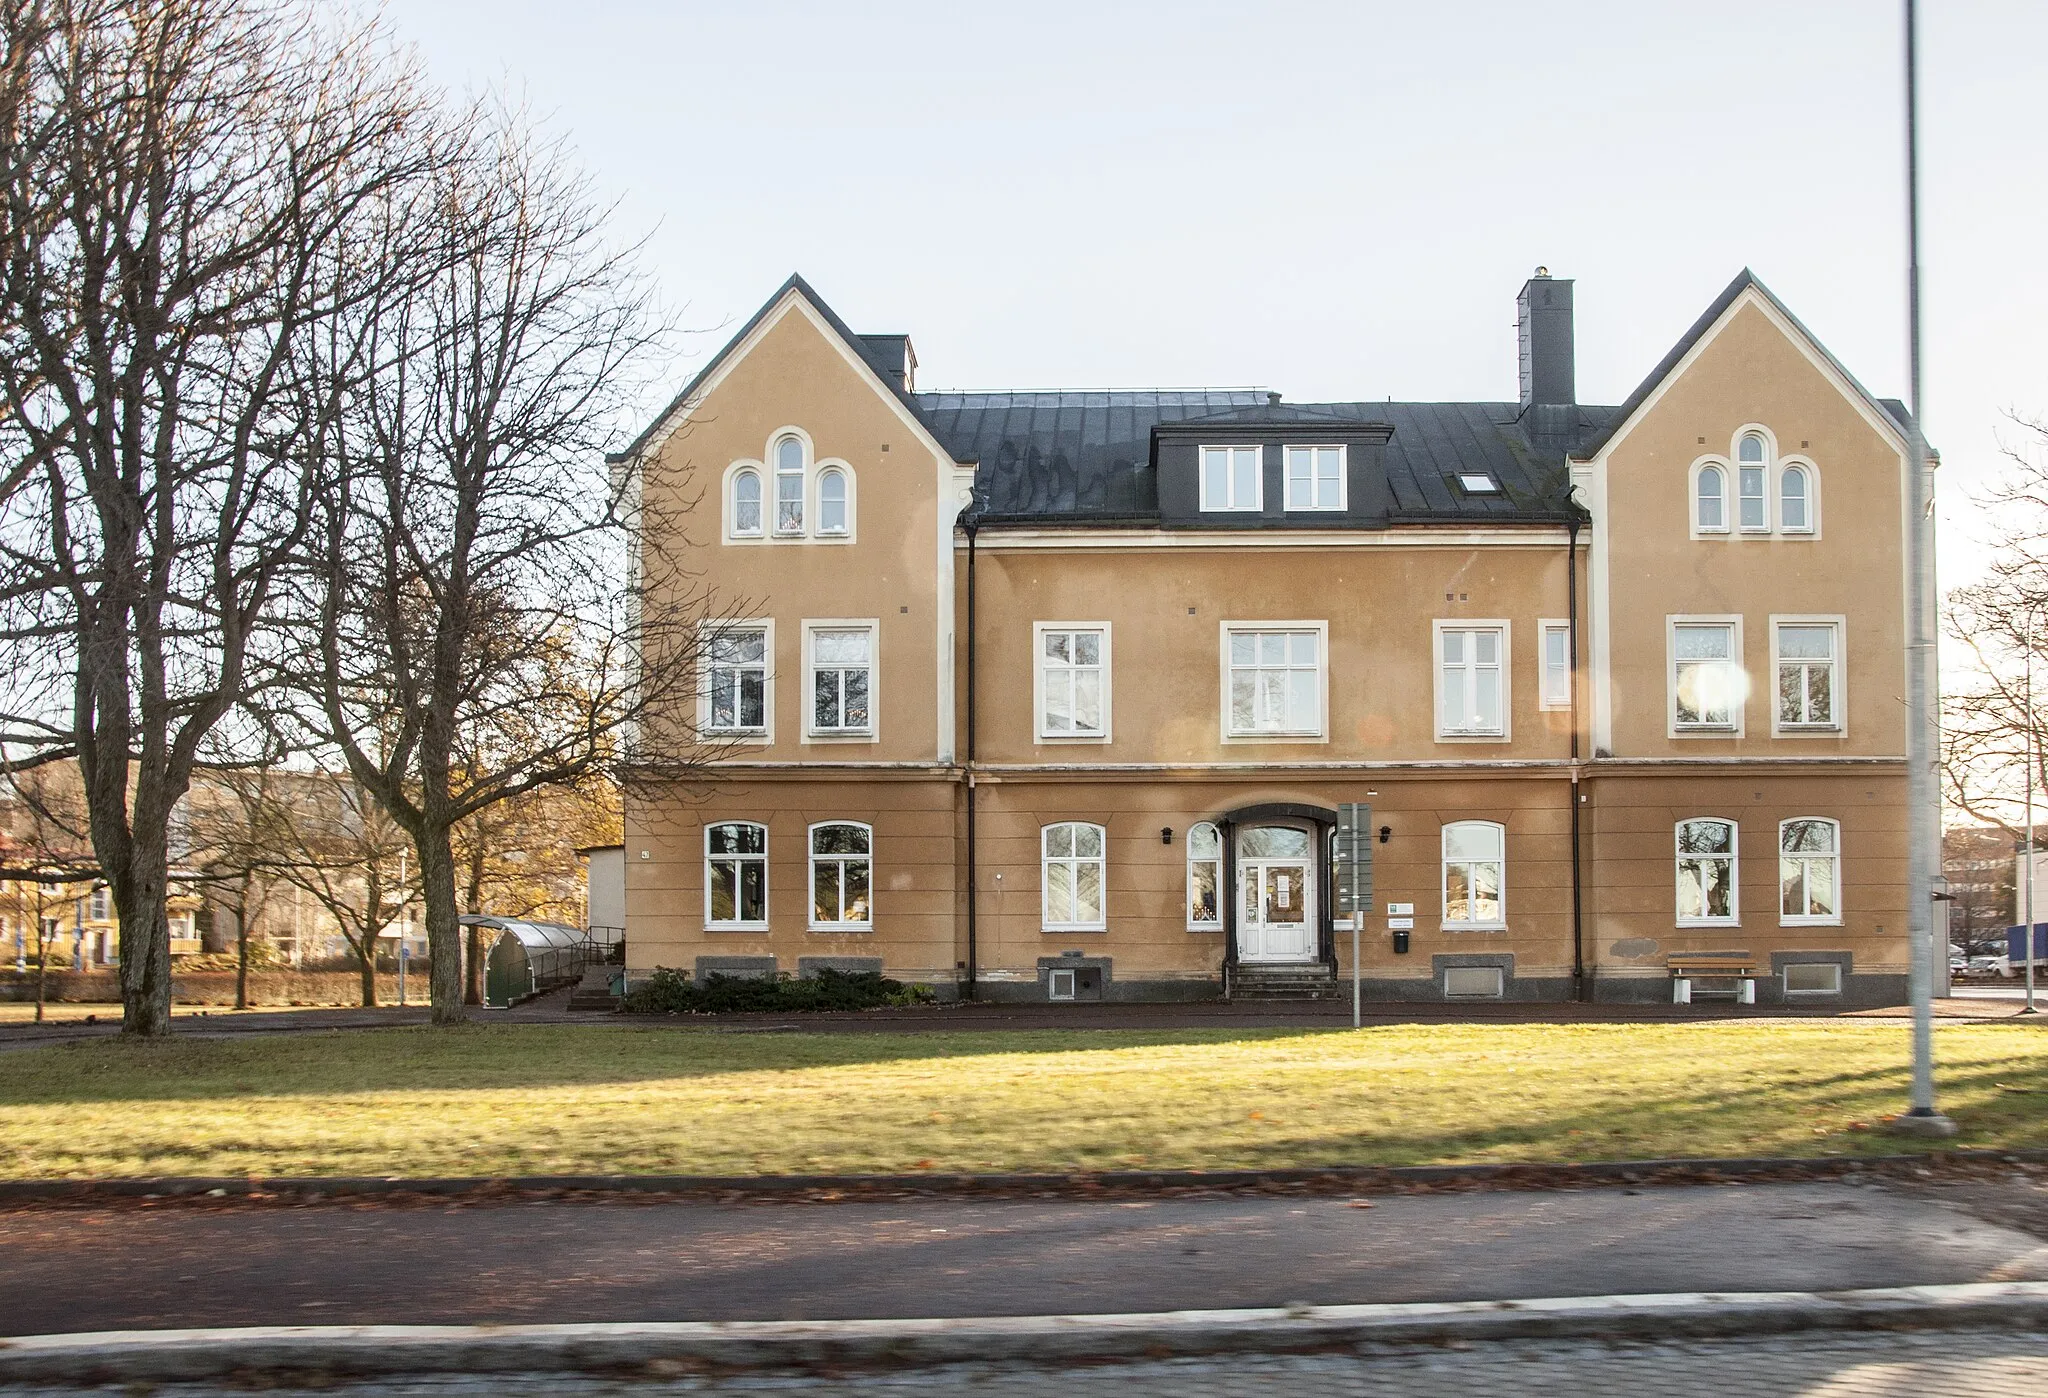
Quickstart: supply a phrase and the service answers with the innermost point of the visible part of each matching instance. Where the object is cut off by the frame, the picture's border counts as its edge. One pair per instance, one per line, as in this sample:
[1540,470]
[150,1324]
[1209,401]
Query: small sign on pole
[1354,882]
[404,955]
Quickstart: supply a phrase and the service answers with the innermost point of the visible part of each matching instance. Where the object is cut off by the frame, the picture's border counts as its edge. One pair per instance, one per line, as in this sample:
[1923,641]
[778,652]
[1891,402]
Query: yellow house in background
[1130,695]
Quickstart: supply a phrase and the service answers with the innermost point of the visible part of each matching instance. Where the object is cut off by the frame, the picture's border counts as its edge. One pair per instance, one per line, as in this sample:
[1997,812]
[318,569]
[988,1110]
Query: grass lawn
[541,1099]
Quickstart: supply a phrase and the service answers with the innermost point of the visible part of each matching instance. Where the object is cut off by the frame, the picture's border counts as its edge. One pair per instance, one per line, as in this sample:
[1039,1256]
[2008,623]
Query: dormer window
[1478,483]
[1315,478]
[1231,479]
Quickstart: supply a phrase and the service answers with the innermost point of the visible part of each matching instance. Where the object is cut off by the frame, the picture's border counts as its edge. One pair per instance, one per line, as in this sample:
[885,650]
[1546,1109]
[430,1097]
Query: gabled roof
[874,356]
[1889,408]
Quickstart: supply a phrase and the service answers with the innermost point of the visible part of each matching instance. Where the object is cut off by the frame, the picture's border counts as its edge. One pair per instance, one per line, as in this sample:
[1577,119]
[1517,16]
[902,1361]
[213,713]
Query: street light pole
[1923,823]
[2027,936]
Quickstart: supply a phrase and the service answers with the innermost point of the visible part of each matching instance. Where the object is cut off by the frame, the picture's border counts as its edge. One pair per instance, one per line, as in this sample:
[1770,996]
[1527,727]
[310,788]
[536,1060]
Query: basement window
[1473,982]
[1478,483]
[1813,978]
[1059,985]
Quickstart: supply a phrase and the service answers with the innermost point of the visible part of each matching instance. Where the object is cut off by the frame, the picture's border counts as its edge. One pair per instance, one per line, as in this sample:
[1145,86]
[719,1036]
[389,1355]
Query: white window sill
[1269,736]
[1474,926]
[1205,927]
[1703,730]
[735,927]
[841,927]
[1707,922]
[1073,737]
[1809,922]
[1064,927]
[1473,735]
[1807,730]
[841,735]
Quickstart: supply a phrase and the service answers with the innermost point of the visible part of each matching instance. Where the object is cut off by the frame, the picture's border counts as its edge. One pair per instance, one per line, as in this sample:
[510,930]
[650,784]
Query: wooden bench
[1738,966]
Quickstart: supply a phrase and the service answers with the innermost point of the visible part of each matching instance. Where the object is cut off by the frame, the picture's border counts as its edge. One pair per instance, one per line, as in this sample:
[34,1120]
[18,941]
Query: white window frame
[1045,863]
[811,732]
[1804,465]
[1546,697]
[1321,732]
[1837,689]
[1443,878]
[1785,978]
[819,474]
[1505,651]
[712,924]
[1734,858]
[1062,982]
[1188,887]
[1258,501]
[1039,631]
[733,533]
[1692,504]
[774,474]
[811,861]
[1833,919]
[763,735]
[1739,712]
[1287,477]
[99,903]
[1767,479]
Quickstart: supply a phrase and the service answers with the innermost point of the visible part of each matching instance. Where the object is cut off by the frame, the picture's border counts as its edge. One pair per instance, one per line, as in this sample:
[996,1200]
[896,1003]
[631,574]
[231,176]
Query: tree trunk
[242,948]
[368,961]
[444,927]
[42,954]
[142,900]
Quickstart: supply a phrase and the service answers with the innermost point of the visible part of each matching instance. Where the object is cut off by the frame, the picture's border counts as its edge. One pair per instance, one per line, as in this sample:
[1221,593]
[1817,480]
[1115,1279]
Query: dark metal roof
[1067,454]
[1082,457]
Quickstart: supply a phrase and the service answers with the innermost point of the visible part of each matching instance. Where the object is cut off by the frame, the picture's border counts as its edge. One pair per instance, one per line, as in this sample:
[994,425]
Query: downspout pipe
[1571,589]
[972,524]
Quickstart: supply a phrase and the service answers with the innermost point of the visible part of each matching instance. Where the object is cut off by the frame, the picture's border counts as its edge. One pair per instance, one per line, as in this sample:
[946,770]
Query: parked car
[1958,965]
[2000,966]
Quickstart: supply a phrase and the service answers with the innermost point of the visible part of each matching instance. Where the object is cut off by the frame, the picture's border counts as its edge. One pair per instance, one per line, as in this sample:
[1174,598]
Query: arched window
[1475,874]
[1751,467]
[1710,501]
[1074,875]
[842,876]
[1795,512]
[1809,871]
[832,501]
[746,503]
[1706,873]
[736,874]
[789,486]
[1205,876]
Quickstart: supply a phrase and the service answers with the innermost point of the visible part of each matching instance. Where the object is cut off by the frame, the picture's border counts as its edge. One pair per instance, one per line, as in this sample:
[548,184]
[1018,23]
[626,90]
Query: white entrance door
[1275,895]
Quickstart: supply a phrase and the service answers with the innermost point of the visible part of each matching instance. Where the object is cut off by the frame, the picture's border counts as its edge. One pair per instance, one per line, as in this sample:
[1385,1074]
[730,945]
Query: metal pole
[1356,1012]
[2027,937]
[1923,824]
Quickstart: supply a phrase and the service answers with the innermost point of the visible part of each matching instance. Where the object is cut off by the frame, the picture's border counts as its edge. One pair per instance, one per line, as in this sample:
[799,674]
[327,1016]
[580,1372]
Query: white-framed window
[1813,978]
[789,485]
[1708,887]
[1809,871]
[1072,680]
[1806,658]
[1795,498]
[842,876]
[1315,477]
[1708,685]
[1554,641]
[736,874]
[1474,982]
[834,508]
[1074,875]
[1060,983]
[1475,874]
[1233,478]
[839,661]
[746,503]
[99,904]
[739,683]
[1472,676]
[1273,679]
[1752,473]
[1710,499]
[1205,876]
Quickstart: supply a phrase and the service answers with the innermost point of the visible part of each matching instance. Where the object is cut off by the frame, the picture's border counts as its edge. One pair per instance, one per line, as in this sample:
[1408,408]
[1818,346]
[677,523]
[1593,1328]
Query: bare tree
[1990,720]
[178,179]
[479,625]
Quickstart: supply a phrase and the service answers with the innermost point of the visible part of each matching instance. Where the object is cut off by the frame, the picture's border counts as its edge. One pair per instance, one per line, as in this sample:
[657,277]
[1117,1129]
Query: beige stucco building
[1134,694]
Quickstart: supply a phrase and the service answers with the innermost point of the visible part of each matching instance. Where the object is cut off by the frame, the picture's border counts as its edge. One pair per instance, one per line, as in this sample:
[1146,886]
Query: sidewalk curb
[1332,1179]
[671,1350]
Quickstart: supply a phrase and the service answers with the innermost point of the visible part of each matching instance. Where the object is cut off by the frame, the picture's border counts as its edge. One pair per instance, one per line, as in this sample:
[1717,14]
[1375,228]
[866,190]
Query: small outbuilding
[529,958]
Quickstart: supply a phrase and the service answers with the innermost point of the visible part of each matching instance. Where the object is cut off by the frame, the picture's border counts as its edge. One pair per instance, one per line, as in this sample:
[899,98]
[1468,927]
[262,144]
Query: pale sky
[1338,201]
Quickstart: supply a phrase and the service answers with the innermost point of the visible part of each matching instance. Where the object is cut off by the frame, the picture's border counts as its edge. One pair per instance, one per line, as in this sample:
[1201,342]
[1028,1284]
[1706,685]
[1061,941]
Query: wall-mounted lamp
[1386,833]
[1166,835]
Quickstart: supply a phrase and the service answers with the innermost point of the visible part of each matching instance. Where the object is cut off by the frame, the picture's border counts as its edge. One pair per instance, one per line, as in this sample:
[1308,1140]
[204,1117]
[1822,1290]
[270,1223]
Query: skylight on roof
[1477,483]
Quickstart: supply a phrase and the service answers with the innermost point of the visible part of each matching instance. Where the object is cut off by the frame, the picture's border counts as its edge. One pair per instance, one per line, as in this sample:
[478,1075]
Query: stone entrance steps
[1254,982]
[594,992]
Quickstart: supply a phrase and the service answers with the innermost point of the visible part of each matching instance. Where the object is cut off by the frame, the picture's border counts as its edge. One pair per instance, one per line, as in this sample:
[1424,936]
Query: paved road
[199,1265]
